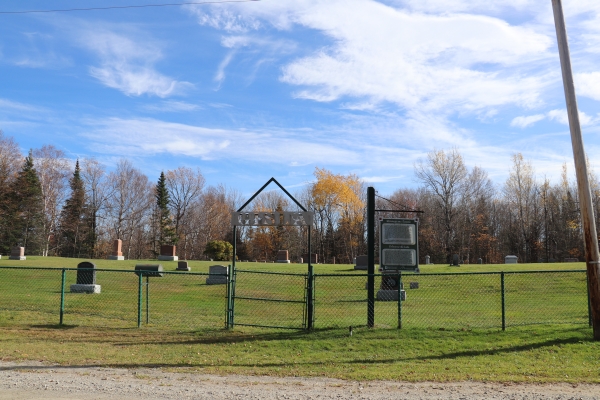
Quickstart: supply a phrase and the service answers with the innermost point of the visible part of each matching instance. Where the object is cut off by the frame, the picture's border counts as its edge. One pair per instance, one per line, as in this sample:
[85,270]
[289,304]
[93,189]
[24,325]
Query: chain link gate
[270,300]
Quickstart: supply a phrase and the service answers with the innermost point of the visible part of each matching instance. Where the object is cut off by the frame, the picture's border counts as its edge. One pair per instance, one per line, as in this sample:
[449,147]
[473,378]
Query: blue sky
[246,91]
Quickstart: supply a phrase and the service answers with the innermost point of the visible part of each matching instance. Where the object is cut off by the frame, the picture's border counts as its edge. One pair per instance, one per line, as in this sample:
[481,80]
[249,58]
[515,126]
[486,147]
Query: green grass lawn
[450,324]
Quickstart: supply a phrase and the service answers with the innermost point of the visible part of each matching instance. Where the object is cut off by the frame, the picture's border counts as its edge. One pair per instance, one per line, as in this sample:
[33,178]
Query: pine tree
[25,209]
[73,225]
[166,231]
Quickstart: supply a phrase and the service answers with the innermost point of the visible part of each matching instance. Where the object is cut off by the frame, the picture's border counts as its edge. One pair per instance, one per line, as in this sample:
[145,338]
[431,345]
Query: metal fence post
[228,297]
[147,299]
[62,295]
[233,283]
[139,319]
[309,299]
[399,299]
[503,295]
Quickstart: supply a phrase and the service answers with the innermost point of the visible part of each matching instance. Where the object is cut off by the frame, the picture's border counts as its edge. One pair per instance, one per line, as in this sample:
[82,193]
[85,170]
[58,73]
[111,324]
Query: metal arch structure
[306,219]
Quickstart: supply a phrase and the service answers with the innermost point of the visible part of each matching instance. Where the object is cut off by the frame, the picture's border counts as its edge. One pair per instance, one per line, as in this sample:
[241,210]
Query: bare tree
[185,187]
[53,170]
[522,194]
[97,192]
[444,175]
[128,206]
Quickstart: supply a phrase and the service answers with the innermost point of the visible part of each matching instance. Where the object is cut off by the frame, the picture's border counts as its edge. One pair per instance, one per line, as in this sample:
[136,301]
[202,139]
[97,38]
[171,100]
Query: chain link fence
[184,300]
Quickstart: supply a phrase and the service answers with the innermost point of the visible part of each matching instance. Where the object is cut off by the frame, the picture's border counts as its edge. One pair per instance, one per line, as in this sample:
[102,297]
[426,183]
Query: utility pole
[585,196]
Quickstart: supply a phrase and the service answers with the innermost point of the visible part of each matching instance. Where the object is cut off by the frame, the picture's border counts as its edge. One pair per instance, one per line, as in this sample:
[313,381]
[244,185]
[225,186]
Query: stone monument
[183,266]
[282,256]
[362,263]
[17,253]
[167,253]
[217,275]
[510,260]
[427,260]
[390,287]
[116,251]
[86,279]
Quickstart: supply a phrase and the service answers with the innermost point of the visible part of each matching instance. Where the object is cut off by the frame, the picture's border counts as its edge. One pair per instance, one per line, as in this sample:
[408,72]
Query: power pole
[585,196]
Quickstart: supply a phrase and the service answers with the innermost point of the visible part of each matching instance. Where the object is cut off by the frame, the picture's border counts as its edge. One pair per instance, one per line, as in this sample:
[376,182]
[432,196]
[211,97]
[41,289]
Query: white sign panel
[284,218]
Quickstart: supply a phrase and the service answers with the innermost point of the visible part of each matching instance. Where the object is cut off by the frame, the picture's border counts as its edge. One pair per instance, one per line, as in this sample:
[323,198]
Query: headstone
[479,261]
[217,275]
[314,259]
[116,251]
[389,289]
[510,260]
[282,256]
[183,266]
[300,260]
[455,262]
[427,260]
[86,279]
[149,270]
[167,253]
[414,285]
[362,263]
[17,253]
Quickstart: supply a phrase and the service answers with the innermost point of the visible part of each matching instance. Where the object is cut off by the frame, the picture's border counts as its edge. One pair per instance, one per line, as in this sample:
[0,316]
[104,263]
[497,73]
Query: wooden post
[585,197]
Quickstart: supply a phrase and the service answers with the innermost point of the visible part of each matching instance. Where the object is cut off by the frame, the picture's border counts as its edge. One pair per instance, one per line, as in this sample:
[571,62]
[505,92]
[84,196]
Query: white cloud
[127,64]
[588,85]
[154,137]
[378,53]
[559,116]
[172,106]
[525,121]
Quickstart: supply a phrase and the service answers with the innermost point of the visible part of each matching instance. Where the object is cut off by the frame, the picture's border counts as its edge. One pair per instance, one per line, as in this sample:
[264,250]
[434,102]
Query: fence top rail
[558,271]
[272,272]
[109,270]
[457,273]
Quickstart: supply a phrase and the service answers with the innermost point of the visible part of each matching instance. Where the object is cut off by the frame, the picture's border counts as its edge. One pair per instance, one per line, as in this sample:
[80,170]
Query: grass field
[451,324]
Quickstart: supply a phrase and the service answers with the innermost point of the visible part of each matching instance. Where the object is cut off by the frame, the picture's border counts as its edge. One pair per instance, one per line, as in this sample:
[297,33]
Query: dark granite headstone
[86,273]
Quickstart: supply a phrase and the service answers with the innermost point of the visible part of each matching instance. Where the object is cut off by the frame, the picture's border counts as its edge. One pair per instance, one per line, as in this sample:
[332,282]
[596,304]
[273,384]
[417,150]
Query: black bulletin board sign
[399,244]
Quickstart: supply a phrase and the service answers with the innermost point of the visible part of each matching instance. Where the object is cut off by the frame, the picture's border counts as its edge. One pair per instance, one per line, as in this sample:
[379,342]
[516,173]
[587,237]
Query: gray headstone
[427,260]
[455,260]
[510,259]
[362,263]
[183,266]
[414,285]
[217,275]
[479,261]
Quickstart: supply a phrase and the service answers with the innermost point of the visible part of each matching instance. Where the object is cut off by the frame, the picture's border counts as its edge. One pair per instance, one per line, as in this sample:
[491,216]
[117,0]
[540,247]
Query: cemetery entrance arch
[271,299]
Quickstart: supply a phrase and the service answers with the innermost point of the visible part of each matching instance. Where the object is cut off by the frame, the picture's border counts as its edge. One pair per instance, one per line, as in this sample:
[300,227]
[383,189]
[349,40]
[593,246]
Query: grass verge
[541,354]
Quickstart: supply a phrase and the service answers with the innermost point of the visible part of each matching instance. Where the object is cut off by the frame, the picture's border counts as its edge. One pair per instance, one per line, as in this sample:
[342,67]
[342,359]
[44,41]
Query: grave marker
[282,256]
[167,253]
[17,253]
[217,275]
[361,262]
[86,279]
[116,251]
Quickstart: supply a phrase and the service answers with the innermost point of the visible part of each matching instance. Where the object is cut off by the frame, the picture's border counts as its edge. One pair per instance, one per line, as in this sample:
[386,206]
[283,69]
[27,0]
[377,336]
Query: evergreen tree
[73,225]
[166,230]
[25,209]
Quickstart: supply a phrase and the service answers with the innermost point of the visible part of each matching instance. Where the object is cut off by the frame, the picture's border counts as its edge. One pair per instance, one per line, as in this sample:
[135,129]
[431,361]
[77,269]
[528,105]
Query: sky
[247,91]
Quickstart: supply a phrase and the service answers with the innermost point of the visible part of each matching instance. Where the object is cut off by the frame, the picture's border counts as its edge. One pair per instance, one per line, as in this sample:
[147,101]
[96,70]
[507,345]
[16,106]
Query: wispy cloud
[153,137]
[173,106]
[127,64]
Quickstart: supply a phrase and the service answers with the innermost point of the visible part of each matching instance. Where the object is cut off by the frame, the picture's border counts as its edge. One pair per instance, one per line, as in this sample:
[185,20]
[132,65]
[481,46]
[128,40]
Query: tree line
[54,208]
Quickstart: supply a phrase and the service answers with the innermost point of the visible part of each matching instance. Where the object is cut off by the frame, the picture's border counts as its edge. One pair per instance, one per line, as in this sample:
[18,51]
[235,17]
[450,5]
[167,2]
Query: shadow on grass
[55,326]
[360,361]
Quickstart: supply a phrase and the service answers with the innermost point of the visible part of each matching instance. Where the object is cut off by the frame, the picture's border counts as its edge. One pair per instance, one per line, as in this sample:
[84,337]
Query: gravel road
[35,381]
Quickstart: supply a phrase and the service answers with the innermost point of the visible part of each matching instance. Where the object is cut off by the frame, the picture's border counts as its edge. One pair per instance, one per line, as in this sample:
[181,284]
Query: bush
[219,250]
